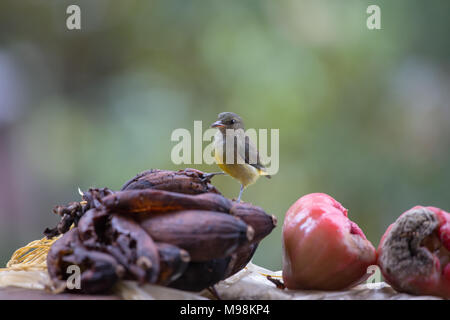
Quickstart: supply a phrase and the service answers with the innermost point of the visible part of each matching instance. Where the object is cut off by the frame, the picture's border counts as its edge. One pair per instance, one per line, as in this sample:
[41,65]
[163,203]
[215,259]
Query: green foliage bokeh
[363,115]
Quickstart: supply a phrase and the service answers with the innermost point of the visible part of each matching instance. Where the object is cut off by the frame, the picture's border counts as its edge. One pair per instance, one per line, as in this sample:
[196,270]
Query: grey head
[228,120]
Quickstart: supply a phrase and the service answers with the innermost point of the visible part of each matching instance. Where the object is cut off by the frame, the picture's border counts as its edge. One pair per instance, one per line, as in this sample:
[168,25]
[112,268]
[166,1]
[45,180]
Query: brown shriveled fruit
[99,271]
[414,252]
[201,275]
[123,239]
[173,262]
[188,181]
[172,228]
[240,258]
[150,200]
[206,235]
[256,217]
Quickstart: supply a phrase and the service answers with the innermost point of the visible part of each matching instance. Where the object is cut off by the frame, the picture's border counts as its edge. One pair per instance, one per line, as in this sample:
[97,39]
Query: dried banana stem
[72,213]
[93,197]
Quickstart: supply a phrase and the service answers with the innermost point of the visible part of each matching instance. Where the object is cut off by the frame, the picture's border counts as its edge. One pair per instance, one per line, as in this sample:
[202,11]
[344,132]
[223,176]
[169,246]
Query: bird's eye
[232,121]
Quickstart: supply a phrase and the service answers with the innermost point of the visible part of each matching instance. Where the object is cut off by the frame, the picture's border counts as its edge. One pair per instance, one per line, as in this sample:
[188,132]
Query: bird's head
[228,120]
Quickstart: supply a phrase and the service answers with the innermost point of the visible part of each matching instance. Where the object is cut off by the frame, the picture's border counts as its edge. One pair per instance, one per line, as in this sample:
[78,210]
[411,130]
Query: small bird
[245,164]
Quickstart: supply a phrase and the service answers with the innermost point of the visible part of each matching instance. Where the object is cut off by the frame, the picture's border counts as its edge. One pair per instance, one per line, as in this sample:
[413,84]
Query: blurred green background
[363,115]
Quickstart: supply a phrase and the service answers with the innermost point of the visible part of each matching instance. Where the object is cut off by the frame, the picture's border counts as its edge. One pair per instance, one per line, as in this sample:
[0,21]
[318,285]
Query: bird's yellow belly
[245,173]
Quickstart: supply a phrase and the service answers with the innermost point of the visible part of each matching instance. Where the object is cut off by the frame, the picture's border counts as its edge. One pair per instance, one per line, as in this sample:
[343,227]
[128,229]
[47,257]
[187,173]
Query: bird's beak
[217,124]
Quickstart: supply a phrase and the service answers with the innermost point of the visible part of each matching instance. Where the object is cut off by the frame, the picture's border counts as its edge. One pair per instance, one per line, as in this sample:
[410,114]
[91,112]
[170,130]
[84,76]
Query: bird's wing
[247,151]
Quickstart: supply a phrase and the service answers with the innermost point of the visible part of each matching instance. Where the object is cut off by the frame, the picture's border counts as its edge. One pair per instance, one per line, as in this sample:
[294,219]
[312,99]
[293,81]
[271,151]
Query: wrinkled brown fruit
[173,262]
[188,181]
[171,228]
[151,201]
[205,235]
[99,271]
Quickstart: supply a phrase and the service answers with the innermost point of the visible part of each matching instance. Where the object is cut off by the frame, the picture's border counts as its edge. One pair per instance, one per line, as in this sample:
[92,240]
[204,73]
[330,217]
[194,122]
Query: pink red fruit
[414,252]
[322,248]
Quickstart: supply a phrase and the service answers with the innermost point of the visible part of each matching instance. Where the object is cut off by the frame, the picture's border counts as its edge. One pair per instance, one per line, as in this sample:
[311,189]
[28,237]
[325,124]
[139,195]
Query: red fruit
[322,248]
[414,252]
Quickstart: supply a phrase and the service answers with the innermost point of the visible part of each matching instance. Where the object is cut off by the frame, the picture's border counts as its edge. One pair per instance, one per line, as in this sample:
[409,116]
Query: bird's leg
[240,193]
[208,176]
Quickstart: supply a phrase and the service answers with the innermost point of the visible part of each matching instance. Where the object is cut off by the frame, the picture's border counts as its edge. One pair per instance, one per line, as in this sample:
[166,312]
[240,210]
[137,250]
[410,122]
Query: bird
[245,165]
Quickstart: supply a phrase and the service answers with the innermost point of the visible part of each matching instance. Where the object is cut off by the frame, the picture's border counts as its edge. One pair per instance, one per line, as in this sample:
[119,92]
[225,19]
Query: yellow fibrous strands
[33,256]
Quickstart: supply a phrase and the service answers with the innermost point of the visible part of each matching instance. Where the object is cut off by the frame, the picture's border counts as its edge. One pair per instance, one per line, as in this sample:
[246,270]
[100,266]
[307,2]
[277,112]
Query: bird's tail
[264,173]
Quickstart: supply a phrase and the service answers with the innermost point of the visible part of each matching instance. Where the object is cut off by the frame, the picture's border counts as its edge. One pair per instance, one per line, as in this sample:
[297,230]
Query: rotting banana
[171,228]
[99,271]
[188,181]
[206,235]
[173,262]
[150,200]
[254,216]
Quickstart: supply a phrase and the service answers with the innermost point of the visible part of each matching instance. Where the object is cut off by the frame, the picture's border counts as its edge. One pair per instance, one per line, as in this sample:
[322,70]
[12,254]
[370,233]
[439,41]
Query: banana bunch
[171,228]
